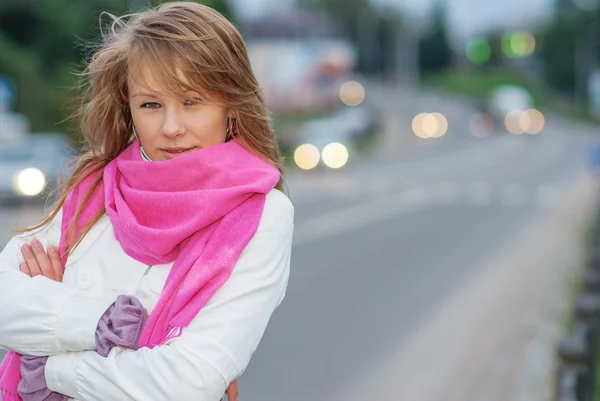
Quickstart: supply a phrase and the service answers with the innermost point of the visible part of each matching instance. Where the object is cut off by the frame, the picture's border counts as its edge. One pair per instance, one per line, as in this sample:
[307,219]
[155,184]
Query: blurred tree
[40,46]
[570,49]
[43,42]
[435,54]
[557,56]
[389,29]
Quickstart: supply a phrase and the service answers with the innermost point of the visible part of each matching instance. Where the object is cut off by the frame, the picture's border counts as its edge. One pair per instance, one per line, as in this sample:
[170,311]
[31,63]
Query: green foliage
[435,53]
[557,53]
[570,48]
[481,82]
[43,45]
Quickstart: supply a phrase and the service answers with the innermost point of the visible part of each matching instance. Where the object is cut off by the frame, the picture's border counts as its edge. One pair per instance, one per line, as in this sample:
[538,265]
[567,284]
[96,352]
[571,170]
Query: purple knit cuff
[32,386]
[121,325]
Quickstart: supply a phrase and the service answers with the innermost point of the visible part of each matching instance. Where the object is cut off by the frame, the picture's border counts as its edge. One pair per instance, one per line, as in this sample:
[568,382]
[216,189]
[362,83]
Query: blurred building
[300,59]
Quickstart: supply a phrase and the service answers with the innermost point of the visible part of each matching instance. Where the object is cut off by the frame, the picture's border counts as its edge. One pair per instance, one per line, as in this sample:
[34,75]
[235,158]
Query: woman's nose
[173,125]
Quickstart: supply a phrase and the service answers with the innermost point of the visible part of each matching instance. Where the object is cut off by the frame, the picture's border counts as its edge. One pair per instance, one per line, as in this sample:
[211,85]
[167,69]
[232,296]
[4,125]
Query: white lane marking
[479,193]
[447,192]
[513,195]
[380,185]
[413,196]
[549,196]
[366,213]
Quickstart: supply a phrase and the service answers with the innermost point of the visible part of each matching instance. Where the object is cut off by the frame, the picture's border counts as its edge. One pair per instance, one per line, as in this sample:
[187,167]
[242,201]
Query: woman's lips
[172,153]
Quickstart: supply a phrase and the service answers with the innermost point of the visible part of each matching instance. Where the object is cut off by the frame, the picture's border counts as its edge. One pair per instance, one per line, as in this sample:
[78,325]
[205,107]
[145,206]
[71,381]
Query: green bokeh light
[478,51]
[517,45]
[506,46]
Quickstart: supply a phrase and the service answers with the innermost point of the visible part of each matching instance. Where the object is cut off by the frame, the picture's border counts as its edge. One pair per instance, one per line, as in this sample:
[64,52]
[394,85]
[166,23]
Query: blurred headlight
[535,122]
[352,93]
[482,125]
[429,125]
[29,182]
[441,125]
[529,121]
[514,123]
[335,155]
[307,156]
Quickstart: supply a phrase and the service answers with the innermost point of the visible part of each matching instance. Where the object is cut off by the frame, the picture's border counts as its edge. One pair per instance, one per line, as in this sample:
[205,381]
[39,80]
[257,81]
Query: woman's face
[168,126]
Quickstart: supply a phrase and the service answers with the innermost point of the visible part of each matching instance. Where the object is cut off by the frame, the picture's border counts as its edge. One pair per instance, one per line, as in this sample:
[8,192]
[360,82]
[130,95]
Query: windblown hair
[202,44]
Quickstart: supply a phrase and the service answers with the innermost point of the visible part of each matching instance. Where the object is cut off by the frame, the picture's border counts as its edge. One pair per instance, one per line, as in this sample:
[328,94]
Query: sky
[465,17]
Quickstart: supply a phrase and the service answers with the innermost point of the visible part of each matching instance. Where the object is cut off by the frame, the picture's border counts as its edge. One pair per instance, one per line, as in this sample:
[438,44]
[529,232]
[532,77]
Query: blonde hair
[205,46]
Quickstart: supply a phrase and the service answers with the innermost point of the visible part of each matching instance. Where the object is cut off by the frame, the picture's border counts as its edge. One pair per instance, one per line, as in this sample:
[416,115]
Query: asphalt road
[381,245]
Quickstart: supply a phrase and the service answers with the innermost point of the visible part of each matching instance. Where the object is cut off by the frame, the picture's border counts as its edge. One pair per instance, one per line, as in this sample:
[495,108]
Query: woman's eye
[149,105]
[193,101]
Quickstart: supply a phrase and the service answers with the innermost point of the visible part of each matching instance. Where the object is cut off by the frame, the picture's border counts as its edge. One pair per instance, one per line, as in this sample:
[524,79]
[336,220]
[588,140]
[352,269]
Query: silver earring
[231,128]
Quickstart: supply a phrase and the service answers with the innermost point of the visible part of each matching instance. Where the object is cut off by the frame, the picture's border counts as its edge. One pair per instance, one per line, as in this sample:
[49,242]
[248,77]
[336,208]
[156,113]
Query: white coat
[42,317]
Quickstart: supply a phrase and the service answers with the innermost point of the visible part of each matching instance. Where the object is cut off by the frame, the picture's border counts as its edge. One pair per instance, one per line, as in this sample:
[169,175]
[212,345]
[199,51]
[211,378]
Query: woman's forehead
[145,76]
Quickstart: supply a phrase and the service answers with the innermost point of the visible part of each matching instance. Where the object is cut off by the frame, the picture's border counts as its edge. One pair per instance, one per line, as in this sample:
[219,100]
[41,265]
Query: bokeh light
[520,44]
[417,125]
[442,125]
[512,121]
[335,155]
[482,125]
[352,93]
[535,122]
[529,121]
[429,125]
[307,156]
[478,51]
[524,121]
[29,182]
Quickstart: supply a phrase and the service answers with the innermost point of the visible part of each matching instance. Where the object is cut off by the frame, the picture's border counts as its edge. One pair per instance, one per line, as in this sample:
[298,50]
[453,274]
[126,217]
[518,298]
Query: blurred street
[383,247]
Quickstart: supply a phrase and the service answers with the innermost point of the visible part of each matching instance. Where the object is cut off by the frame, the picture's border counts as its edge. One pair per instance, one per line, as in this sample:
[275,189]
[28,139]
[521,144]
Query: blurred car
[358,121]
[329,142]
[507,99]
[323,143]
[31,166]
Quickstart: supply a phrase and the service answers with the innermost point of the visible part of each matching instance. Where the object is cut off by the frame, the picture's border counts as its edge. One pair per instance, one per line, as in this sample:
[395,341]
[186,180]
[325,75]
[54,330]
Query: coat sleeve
[212,351]
[39,316]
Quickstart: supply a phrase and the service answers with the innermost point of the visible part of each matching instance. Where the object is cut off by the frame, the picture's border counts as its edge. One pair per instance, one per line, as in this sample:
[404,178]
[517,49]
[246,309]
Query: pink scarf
[199,210]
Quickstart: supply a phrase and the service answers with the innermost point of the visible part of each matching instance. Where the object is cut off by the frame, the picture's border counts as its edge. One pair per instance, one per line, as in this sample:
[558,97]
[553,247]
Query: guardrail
[578,352]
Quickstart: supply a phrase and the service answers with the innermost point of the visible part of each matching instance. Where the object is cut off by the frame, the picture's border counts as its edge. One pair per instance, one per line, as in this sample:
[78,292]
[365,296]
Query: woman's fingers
[24,268]
[31,261]
[232,391]
[43,260]
[57,267]
[39,262]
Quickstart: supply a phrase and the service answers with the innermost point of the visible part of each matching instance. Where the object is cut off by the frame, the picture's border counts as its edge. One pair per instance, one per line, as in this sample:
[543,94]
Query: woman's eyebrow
[144,94]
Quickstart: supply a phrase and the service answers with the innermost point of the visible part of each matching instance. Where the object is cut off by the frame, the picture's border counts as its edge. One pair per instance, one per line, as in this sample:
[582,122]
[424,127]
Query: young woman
[156,273]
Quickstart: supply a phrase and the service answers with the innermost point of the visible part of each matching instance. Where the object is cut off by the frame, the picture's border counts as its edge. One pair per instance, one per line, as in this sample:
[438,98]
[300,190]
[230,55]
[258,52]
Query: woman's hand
[39,262]
[232,391]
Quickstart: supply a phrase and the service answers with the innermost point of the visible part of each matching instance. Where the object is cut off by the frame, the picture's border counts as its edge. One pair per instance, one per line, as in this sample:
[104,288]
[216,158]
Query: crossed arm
[210,354]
